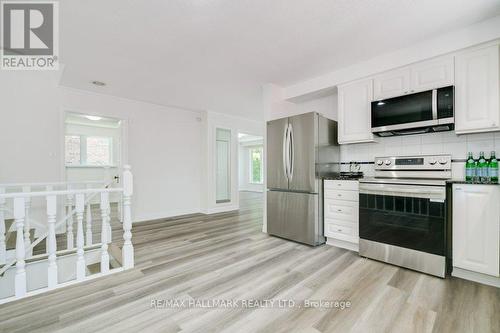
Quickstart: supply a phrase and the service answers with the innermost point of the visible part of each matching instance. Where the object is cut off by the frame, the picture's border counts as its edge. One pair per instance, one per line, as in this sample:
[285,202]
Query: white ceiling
[216,54]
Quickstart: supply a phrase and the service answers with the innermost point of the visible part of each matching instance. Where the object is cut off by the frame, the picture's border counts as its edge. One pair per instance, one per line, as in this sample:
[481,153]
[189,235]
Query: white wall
[276,107]
[164,143]
[244,166]
[164,150]
[30,126]
[437,45]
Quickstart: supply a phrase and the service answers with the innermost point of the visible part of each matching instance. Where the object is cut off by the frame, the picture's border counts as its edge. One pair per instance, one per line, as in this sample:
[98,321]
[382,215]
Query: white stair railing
[82,199]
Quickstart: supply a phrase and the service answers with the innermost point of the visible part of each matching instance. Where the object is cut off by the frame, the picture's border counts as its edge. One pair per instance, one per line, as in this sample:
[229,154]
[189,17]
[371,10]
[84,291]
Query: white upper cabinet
[425,75]
[477,90]
[354,101]
[476,221]
[392,83]
[432,74]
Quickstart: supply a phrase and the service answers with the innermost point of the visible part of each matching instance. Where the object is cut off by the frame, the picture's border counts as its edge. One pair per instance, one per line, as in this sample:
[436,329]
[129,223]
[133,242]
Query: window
[84,150]
[98,151]
[256,165]
[73,150]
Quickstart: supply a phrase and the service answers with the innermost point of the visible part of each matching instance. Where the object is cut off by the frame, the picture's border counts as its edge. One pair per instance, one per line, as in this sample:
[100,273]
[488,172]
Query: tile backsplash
[422,144]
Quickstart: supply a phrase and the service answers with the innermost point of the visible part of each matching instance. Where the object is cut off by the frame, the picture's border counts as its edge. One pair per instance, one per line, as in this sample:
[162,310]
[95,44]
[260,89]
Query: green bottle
[493,168]
[483,168]
[470,168]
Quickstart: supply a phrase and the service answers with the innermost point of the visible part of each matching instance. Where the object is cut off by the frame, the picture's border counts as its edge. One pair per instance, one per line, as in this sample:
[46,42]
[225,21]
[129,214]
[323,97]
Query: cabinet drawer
[342,195]
[343,231]
[343,210]
[349,185]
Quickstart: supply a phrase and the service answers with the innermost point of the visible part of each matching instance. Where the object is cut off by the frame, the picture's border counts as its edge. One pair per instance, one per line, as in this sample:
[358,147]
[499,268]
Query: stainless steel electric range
[402,212]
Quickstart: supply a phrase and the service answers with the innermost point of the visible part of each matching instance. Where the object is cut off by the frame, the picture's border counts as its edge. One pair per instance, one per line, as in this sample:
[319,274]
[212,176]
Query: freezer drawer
[294,216]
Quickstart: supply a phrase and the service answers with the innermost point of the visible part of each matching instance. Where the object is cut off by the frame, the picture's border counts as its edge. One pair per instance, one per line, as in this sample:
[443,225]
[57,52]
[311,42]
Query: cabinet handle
[339,210]
[339,195]
[339,230]
[458,188]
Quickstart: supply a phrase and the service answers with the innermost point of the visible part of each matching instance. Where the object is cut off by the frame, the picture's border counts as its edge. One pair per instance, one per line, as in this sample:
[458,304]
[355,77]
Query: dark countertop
[450,181]
[337,178]
[461,181]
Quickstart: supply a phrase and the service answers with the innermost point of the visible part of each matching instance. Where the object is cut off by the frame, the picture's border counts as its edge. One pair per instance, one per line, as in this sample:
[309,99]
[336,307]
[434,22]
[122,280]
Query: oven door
[408,216]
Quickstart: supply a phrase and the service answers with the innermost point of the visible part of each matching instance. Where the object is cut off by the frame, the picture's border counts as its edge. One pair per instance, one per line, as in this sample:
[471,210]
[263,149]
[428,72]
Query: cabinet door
[391,84]
[432,74]
[477,90]
[355,112]
[476,218]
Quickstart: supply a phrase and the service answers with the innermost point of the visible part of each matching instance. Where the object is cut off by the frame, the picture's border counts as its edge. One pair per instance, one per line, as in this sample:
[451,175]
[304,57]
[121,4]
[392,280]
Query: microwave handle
[434,104]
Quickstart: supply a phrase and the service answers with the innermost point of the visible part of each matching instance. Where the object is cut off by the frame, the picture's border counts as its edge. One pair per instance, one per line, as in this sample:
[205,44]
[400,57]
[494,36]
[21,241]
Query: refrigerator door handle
[285,151]
[291,152]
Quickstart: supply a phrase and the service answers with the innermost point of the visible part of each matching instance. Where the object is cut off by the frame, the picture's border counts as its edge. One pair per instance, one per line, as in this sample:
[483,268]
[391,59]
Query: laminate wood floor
[227,257]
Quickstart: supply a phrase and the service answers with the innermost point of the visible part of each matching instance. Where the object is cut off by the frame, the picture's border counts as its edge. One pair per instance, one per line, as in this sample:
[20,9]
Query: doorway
[92,147]
[250,163]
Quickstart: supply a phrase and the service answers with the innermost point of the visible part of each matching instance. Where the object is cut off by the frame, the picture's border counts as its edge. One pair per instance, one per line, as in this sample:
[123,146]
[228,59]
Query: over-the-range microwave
[422,112]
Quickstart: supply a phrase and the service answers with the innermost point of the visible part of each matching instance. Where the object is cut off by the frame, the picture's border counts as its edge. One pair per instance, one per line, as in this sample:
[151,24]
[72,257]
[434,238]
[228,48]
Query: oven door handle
[433,193]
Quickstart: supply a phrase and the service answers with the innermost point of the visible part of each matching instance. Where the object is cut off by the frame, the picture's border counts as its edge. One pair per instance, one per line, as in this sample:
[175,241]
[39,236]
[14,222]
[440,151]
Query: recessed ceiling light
[94,118]
[98,83]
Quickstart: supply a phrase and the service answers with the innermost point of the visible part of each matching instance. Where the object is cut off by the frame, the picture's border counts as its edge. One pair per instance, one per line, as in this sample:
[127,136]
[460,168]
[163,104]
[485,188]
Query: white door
[476,218]
[477,90]
[355,112]
[432,74]
[391,84]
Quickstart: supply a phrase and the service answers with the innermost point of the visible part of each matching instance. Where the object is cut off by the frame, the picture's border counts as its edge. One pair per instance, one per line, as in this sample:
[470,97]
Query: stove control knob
[443,161]
[387,162]
[432,162]
[380,162]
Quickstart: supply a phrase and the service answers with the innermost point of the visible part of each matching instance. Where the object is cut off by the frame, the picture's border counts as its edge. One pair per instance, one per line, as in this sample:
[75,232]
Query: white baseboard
[476,277]
[250,190]
[164,215]
[342,244]
[222,209]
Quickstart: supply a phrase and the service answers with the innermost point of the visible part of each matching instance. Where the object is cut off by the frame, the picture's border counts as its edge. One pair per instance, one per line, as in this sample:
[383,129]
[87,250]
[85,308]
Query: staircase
[81,249]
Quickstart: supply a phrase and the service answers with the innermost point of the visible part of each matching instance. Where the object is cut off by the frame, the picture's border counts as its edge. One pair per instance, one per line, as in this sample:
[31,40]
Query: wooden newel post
[69,223]
[104,233]
[27,226]
[128,189]
[88,233]
[20,279]
[51,241]
[80,240]
[3,246]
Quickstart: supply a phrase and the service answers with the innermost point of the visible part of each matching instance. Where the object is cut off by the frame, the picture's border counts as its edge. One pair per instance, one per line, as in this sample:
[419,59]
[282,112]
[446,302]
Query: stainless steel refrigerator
[300,149]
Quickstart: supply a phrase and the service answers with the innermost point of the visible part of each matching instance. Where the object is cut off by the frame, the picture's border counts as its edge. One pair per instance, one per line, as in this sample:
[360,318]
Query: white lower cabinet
[476,228]
[341,213]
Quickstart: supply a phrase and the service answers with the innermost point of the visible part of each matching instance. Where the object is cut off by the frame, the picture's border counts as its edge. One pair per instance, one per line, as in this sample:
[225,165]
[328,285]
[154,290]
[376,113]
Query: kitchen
[406,174]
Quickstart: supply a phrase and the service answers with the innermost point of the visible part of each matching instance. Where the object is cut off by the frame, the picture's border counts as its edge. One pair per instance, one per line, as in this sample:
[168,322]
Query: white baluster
[80,261]
[20,279]
[3,247]
[104,231]
[69,223]
[128,189]
[27,227]
[51,241]
[88,213]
